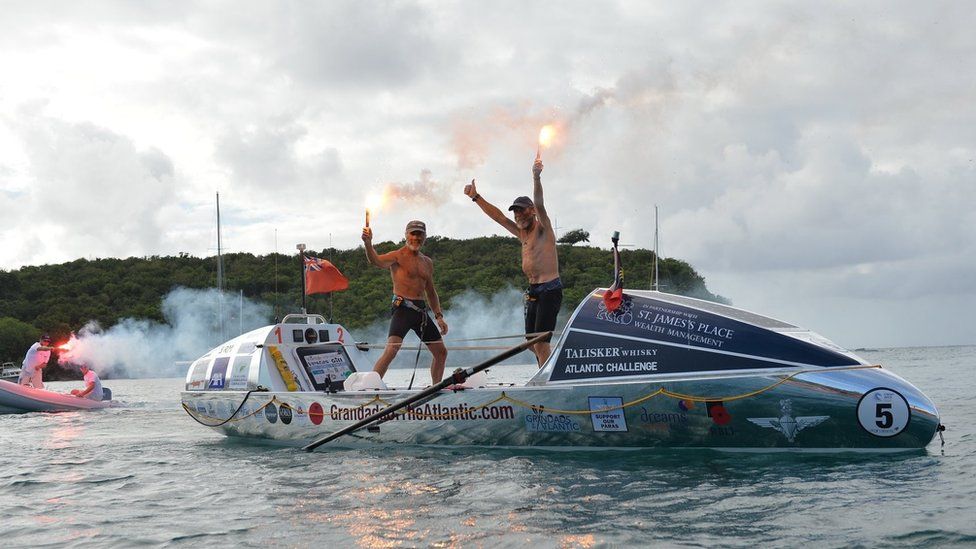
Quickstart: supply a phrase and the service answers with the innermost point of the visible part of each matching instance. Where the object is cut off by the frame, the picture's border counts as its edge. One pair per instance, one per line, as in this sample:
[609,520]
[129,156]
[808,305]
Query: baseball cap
[415,226]
[521,202]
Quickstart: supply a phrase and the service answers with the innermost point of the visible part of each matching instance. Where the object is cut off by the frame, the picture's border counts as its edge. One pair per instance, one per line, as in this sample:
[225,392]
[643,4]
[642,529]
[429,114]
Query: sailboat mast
[220,276]
[655,285]
[276,278]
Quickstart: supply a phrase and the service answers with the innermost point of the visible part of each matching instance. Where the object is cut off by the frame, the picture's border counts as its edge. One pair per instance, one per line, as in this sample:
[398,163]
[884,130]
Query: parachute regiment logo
[787,424]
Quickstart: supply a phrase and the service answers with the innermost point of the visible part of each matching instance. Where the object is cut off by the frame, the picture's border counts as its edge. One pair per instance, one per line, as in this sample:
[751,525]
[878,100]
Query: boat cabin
[301,353]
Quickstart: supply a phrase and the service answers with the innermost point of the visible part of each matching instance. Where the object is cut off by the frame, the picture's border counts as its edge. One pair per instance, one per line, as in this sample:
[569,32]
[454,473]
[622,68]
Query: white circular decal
[883,412]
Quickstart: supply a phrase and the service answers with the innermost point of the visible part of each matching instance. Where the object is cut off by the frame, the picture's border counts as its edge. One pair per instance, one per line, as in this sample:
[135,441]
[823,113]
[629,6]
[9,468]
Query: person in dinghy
[93,385]
[31,373]
[413,297]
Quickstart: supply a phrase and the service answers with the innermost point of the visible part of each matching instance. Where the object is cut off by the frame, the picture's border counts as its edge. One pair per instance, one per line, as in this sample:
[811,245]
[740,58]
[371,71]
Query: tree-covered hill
[61,298]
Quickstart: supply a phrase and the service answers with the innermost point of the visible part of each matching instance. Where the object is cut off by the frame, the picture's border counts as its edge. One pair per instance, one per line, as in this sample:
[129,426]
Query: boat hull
[19,399]
[867,409]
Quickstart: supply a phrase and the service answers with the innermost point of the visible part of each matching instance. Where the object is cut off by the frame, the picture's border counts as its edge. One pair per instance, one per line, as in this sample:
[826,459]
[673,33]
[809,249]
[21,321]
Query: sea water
[146,474]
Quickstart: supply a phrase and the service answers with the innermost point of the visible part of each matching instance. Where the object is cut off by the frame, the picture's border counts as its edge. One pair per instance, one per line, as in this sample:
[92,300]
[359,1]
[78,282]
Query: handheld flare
[545,139]
[373,201]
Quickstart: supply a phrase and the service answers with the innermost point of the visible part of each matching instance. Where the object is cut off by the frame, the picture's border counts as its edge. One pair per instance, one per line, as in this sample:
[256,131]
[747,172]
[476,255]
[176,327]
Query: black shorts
[404,318]
[542,303]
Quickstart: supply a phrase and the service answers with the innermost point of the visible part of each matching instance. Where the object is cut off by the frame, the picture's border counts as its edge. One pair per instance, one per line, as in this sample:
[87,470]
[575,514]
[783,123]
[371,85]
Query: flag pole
[301,259]
[330,293]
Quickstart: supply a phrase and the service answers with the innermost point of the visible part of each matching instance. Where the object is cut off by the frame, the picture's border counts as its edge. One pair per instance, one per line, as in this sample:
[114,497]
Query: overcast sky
[814,161]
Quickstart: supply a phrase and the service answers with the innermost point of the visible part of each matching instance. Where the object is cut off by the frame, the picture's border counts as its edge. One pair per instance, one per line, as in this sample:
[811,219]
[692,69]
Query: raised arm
[490,210]
[540,206]
[384,261]
[435,302]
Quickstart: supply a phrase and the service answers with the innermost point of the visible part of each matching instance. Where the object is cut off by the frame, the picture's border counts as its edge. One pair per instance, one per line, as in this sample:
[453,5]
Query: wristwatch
[475,197]
[438,316]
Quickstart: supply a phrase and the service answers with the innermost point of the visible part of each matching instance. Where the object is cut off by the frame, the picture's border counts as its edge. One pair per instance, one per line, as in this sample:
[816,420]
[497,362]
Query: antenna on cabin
[330,293]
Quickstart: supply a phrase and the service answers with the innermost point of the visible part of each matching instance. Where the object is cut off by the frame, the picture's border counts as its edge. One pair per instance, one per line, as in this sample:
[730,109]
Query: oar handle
[459,376]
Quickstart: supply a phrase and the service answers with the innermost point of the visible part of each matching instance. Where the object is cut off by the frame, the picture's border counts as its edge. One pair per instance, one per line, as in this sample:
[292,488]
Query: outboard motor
[106,393]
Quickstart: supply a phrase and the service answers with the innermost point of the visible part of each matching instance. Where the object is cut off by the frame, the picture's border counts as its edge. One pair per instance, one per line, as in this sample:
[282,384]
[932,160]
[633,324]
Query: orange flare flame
[546,134]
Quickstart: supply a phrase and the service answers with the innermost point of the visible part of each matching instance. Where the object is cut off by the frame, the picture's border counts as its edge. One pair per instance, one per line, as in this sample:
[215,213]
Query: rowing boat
[659,371]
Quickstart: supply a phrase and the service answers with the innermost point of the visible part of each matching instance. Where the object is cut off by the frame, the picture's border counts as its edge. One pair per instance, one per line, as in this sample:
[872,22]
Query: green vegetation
[59,299]
[574,237]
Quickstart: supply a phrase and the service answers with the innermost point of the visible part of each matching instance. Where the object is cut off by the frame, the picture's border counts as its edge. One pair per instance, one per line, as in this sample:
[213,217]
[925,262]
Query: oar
[458,376]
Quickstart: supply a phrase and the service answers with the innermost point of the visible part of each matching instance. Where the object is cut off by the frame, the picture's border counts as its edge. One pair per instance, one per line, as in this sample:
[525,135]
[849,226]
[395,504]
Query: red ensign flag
[614,295]
[322,277]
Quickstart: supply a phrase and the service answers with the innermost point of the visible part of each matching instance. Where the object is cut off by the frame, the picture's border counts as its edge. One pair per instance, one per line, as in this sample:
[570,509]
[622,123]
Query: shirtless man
[539,261]
[413,280]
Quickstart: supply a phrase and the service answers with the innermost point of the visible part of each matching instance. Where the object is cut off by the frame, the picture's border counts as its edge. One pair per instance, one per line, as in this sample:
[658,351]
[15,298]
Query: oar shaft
[458,376]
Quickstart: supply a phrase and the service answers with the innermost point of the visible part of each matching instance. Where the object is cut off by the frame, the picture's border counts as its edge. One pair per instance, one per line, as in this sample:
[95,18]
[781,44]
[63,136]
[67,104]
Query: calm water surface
[146,474]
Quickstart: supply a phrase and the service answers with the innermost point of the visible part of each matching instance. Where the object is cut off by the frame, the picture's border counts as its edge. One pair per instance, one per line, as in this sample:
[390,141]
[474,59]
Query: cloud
[90,188]
[267,160]
[830,145]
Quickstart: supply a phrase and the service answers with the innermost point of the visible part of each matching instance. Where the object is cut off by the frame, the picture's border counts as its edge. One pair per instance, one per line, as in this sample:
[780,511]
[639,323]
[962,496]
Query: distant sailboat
[655,277]
[220,277]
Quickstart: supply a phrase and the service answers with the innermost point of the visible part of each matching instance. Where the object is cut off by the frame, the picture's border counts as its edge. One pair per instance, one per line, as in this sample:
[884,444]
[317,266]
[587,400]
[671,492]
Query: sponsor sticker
[239,372]
[670,418]
[198,375]
[883,412]
[718,413]
[218,373]
[316,413]
[608,420]
[285,413]
[271,413]
[550,423]
[247,348]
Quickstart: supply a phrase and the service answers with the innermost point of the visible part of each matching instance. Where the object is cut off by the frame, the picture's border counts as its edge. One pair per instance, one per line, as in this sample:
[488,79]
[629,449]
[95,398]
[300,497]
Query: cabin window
[327,366]
[298,336]
[323,335]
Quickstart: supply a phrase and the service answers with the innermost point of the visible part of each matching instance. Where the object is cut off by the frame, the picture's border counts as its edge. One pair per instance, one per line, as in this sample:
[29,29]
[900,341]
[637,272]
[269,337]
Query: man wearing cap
[540,263]
[34,362]
[93,385]
[413,296]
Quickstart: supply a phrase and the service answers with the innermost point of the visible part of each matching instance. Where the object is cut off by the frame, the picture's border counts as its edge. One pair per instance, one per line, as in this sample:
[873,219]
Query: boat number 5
[883,412]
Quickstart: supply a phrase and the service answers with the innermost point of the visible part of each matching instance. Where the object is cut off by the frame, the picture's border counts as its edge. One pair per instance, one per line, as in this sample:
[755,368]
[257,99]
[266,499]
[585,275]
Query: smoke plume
[424,191]
[470,316]
[140,348]
[643,94]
